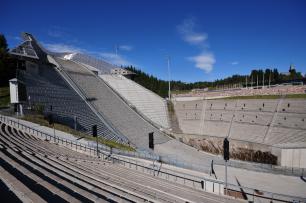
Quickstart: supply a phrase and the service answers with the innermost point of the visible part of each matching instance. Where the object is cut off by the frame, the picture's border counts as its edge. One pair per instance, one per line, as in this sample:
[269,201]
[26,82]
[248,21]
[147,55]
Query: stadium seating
[269,121]
[111,106]
[46,87]
[145,101]
[273,90]
[36,170]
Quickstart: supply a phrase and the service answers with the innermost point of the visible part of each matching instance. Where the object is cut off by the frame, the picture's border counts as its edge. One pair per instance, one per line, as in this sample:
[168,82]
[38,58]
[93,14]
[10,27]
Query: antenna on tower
[263,79]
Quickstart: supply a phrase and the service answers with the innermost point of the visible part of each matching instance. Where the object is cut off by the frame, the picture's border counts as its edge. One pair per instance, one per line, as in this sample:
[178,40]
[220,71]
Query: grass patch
[4,97]
[39,119]
[296,96]
[170,107]
[180,91]
[289,96]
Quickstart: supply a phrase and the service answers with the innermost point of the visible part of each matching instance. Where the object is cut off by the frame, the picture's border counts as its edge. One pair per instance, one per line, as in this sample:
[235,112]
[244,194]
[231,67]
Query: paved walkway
[288,185]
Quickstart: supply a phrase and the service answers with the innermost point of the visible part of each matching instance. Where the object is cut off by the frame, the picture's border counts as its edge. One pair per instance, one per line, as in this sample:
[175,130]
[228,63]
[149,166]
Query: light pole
[263,79]
[269,78]
[169,90]
[226,158]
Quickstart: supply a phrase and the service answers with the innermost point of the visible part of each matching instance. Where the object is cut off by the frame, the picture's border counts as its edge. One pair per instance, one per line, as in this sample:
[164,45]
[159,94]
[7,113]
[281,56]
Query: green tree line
[7,63]
[160,87]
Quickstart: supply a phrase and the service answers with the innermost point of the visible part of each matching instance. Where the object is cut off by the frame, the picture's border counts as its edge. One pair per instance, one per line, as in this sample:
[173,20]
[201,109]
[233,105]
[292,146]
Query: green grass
[290,96]
[296,96]
[180,91]
[39,119]
[4,97]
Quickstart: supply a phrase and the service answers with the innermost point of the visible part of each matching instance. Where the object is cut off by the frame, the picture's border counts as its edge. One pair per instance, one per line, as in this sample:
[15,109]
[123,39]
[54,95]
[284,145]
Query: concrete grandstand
[61,77]
[85,91]
[279,123]
[281,89]
[147,102]
[37,170]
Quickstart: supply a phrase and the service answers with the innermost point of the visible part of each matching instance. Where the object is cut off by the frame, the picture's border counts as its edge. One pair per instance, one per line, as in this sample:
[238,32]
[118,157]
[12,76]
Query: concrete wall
[264,121]
[293,158]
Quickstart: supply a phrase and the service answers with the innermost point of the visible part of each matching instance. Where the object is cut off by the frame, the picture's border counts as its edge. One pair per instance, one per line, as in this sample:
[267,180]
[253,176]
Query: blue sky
[206,40]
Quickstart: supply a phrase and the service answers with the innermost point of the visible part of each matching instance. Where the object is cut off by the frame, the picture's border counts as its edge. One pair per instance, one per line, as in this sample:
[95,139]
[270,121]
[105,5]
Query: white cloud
[235,63]
[125,47]
[195,38]
[58,47]
[188,33]
[204,61]
[114,58]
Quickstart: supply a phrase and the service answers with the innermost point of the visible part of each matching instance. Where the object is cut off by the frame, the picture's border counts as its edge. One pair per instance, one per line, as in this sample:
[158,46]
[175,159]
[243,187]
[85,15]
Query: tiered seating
[273,90]
[216,129]
[148,103]
[250,133]
[254,120]
[48,88]
[291,120]
[41,171]
[294,106]
[280,135]
[111,106]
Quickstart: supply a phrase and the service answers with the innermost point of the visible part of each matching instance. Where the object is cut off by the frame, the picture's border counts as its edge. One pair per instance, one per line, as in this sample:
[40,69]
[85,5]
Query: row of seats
[213,118]
[289,120]
[257,105]
[272,90]
[42,171]
[111,106]
[148,103]
[46,87]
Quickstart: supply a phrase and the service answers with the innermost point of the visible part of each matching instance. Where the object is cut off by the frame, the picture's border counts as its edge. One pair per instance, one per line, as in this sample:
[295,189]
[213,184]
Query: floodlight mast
[263,79]
[270,78]
[169,90]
